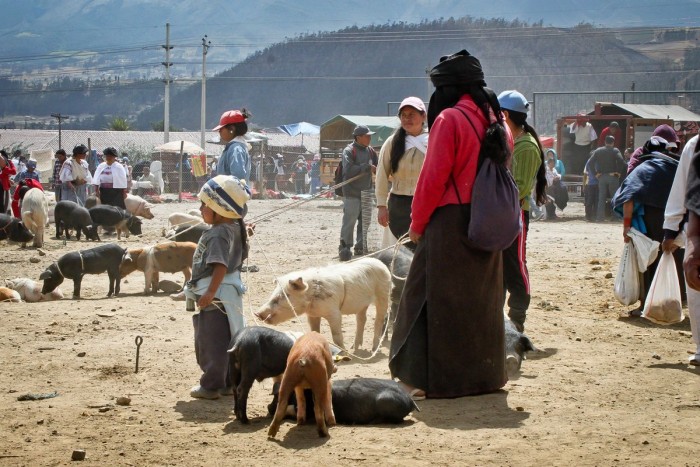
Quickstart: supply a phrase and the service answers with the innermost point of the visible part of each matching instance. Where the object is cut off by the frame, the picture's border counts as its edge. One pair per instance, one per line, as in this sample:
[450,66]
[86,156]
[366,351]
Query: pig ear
[297,284]
[45,275]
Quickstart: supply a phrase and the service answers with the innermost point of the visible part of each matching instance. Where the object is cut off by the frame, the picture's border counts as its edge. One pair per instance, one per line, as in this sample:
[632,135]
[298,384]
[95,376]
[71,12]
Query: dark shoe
[344,252]
[359,252]
[636,313]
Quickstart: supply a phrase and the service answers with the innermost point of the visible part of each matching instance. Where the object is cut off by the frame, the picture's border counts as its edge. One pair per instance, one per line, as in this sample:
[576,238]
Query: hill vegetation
[361,70]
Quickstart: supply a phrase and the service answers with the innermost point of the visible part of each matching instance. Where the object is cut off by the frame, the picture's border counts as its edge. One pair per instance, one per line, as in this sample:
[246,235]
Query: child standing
[216,285]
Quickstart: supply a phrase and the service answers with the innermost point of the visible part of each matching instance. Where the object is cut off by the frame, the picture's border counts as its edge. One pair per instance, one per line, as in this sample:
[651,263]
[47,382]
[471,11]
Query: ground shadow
[471,413]
[677,366]
[645,323]
[256,424]
[205,411]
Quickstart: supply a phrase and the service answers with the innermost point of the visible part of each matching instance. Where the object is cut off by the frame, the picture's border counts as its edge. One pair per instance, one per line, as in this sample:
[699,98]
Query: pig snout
[266,315]
[276,310]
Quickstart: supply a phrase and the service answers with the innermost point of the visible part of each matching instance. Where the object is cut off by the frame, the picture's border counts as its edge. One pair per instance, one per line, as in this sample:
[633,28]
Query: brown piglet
[309,366]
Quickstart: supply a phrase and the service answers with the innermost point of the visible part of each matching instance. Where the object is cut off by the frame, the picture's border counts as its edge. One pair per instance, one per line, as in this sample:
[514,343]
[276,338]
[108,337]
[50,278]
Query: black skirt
[399,207]
[112,197]
[449,332]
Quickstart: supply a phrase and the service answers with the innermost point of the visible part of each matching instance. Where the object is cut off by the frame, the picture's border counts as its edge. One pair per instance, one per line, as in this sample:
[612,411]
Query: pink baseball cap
[414,102]
[229,117]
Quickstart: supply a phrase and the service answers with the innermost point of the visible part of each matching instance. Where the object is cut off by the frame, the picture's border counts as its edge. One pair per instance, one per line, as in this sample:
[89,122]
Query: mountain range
[311,60]
[127,35]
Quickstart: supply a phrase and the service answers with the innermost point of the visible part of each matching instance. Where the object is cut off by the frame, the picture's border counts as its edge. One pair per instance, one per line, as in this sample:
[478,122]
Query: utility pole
[168,64]
[60,117]
[205,47]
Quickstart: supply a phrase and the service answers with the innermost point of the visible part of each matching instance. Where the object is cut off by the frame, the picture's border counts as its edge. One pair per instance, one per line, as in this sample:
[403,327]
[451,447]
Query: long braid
[398,148]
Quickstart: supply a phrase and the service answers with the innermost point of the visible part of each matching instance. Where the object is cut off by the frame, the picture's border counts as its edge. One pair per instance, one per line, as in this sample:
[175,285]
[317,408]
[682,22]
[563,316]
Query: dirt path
[602,391]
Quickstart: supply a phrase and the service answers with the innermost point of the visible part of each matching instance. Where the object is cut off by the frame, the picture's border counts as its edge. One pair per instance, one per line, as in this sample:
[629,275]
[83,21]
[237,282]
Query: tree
[118,124]
[160,126]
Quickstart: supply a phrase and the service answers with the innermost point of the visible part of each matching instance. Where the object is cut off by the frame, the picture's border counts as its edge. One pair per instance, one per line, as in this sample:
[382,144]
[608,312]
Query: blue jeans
[315,185]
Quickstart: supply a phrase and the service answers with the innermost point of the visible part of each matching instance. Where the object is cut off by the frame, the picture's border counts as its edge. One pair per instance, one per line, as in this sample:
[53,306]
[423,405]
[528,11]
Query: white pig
[138,206]
[181,218]
[35,214]
[30,291]
[330,292]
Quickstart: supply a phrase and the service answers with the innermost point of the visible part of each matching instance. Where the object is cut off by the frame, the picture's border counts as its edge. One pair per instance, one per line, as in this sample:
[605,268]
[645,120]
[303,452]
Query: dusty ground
[603,391]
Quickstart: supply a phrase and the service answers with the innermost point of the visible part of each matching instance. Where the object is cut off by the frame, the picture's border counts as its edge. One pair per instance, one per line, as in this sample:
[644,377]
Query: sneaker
[538,217]
[178,297]
[694,360]
[198,392]
[359,252]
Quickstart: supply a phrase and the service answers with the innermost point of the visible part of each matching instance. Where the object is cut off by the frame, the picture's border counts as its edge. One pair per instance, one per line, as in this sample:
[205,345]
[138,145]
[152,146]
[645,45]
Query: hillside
[358,71]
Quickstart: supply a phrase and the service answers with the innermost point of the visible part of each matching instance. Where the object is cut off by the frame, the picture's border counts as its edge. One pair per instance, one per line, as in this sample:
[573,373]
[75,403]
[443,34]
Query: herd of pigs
[301,366]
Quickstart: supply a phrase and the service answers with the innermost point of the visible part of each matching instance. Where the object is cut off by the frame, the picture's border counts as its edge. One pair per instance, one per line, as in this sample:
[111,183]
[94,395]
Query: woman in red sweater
[448,337]
[7,170]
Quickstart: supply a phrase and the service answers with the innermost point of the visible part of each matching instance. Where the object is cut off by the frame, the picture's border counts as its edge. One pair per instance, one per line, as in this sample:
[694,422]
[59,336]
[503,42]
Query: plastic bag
[663,303]
[627,279]
[646,248]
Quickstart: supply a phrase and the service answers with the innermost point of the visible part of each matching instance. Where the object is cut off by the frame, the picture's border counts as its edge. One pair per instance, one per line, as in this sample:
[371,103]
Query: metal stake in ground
[139,341]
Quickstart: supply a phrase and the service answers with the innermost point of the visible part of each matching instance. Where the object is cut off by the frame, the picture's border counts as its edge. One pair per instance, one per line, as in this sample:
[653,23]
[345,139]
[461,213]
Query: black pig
[76,264]
[68,216]
[257,353]
[517,344]
[113,216]
[366,401]
[12,229]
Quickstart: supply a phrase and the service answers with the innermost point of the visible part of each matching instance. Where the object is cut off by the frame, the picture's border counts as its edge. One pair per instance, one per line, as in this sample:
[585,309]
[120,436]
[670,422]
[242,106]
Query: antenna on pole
[167,63]
[205,48]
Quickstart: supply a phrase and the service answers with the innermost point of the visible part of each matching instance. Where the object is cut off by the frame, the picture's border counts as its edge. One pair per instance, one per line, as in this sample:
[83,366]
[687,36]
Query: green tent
[336,133]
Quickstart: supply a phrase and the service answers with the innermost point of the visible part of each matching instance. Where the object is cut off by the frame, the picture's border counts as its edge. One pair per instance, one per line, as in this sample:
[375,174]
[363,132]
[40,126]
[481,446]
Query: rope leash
[402,240]
[280,210]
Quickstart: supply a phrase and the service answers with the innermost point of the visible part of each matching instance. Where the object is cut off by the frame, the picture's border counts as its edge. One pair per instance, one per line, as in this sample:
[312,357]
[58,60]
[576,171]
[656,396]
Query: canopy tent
[174,146]
[250,137]
[337,132]
[303,128]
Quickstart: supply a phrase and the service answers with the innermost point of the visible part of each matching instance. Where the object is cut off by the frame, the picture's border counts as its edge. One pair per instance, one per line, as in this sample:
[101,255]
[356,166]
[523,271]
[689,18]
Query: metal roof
[672,112]
[145,140]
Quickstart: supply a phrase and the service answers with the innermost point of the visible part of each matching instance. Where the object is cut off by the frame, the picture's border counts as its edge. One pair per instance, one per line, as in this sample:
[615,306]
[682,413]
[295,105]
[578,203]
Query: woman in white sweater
[400,162]
[110,180]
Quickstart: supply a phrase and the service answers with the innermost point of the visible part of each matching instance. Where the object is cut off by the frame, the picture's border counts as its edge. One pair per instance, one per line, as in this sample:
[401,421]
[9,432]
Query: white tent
[174,146]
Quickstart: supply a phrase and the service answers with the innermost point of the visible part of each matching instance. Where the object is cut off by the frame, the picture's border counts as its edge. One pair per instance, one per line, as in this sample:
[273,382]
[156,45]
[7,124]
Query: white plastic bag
[646,248]
[663,303]
[627,279]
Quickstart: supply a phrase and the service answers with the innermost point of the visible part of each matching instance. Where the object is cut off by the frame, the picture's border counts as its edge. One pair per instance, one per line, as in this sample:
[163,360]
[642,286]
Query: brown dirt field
[604,390]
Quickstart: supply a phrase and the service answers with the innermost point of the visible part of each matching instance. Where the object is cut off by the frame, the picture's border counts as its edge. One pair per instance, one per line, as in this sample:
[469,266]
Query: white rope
[297,203]
[404,239]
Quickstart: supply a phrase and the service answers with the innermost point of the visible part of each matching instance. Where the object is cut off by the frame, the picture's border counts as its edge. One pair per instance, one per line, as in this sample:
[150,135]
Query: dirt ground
[603,390]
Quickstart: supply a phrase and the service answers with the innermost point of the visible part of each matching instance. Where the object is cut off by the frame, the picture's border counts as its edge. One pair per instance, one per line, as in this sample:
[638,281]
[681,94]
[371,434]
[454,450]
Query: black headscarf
[454,76]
